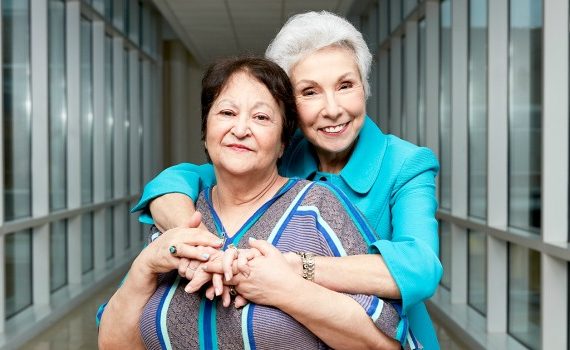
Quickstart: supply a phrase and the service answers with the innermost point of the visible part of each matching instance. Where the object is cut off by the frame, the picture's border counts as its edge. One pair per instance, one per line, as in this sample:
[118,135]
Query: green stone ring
[172,249]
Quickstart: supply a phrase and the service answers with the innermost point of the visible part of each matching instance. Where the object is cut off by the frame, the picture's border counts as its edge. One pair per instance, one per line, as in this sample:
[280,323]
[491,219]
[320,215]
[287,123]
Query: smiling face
[244,126]
[331,103]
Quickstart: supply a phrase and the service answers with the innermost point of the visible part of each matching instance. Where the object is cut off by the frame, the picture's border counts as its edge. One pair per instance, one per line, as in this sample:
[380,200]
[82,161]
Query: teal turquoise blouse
[390,180]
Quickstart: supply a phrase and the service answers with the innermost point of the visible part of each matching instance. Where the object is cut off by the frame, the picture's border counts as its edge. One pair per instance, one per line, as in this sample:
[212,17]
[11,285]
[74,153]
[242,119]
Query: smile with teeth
[334,129]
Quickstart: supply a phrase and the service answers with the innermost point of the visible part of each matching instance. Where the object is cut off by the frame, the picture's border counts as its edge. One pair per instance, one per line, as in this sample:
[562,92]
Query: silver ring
[233,291]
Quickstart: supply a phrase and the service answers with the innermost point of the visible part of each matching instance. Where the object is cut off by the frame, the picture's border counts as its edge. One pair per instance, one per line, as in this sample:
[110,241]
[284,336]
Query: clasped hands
[258,274]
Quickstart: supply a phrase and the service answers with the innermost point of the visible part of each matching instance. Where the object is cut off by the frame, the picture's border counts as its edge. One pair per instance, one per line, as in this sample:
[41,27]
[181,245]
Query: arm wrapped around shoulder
[411,254]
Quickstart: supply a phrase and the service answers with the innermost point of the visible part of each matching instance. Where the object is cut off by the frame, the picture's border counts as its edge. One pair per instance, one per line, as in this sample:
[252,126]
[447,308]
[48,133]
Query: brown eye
[261,117]
[309,92]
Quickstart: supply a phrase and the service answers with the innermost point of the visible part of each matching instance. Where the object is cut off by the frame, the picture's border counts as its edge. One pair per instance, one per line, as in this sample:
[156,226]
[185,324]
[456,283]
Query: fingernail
[227,276]
[218,292]
[206,256]
[187,288]
[205,267]
[251,239]
[220,242]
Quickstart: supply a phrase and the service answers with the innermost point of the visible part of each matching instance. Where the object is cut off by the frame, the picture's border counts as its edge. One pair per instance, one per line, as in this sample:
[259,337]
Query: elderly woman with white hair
[391,181]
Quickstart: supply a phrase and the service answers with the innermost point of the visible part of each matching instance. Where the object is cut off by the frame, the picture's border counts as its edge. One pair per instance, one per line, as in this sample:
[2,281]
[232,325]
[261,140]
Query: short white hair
[306,33]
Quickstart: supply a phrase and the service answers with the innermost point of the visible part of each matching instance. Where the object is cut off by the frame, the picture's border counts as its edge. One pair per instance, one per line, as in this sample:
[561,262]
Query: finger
[240,301]
[218,283]
[183,267]
[191,270]
[226,297]
[200,278]
[242,264]
[214,266]
[210,294]
[264,247]
[190,252]
[227,260]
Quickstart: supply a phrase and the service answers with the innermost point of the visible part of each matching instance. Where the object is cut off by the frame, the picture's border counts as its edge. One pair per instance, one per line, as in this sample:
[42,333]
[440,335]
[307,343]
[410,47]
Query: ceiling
[216,28]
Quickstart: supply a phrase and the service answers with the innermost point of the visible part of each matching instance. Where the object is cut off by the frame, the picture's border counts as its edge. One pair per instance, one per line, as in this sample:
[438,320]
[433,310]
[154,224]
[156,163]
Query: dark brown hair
[261,69]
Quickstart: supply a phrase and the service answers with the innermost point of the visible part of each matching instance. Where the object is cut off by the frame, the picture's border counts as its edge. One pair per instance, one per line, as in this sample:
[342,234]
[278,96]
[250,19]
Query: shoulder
[408,159]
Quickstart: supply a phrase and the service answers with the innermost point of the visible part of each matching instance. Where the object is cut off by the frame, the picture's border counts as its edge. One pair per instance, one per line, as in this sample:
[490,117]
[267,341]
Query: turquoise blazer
[390,180]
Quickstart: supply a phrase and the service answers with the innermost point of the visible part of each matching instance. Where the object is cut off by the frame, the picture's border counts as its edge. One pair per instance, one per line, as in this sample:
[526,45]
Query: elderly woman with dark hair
[248,114]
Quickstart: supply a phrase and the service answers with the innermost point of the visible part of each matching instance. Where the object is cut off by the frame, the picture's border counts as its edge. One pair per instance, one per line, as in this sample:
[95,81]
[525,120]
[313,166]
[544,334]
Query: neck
[243,191]
[333,163]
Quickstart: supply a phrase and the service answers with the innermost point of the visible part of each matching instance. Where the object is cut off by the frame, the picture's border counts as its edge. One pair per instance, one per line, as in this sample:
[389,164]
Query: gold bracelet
[308,262]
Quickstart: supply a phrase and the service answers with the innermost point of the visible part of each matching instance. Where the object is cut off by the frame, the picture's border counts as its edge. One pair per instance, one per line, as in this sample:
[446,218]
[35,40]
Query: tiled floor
[77,330]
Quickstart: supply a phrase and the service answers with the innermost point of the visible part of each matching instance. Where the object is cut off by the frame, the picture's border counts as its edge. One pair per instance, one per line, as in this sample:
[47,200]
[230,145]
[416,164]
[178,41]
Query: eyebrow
[256,105]
[310,81]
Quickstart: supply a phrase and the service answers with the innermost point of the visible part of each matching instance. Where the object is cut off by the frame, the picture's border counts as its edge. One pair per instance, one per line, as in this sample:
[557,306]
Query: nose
[241,127]
[332,108]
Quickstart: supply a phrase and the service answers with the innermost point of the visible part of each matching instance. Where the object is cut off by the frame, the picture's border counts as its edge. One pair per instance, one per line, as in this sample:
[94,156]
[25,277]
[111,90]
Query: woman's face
[330,100]
[244,125]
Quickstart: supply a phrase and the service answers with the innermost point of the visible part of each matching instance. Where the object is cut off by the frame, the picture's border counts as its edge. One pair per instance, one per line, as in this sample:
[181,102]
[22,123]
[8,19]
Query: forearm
[172,210]
[119,327]
[356,274]
[335,318]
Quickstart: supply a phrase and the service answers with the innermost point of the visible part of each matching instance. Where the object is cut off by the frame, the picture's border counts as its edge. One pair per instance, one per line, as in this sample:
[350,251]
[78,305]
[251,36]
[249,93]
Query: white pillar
[497,173]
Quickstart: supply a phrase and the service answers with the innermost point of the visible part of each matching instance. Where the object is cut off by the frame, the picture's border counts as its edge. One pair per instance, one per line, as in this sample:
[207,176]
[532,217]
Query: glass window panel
[18,265]
[16,108]
[478,108]
[109,9]
[154,20]
[86,113]
[445,252]
[109,114]
[141,31]
[422,71]
[57,105]
[395,13]
[477,291]
[127,100]
[118,10]
[58,255]
[126,16]
[409,5]
[403,99]
[127,237]
[372,101]
[384,23]
[525,113]
[524,296]
[445,105]
[87,245]
[109,234]
[134,13]
[99,5]
[143,104]
[145,28]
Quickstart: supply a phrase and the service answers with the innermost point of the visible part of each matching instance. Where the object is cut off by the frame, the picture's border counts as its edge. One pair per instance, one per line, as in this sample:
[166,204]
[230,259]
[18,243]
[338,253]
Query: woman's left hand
[270,277]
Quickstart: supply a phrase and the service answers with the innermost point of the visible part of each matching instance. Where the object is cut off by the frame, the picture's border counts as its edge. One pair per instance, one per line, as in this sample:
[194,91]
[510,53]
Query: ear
[205,145]
[281,150]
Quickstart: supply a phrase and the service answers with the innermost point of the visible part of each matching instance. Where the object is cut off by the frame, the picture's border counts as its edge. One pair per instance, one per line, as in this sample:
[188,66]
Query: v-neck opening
[250,221]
